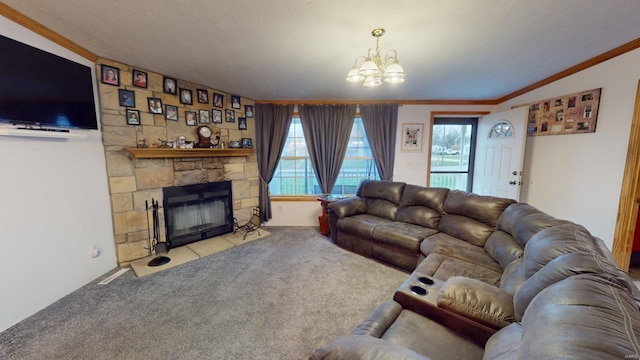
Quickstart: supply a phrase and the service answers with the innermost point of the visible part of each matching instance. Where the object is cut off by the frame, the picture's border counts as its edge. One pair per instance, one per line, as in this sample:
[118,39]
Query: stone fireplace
[136,179]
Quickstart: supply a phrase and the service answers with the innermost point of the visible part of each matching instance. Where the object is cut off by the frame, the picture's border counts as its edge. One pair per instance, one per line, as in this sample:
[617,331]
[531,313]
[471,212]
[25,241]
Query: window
[295,176]
[452,153]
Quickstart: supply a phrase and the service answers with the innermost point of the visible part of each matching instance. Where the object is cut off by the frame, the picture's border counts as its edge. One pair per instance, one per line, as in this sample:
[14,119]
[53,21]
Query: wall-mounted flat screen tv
[39,88]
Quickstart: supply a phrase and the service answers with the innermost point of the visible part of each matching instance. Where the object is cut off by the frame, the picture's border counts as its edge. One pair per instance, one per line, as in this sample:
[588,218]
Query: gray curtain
[272,127]
[380,123]
[326,131]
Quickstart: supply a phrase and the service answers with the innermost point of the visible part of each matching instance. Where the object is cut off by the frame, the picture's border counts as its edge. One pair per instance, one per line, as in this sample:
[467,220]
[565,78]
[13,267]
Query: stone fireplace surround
[133,180]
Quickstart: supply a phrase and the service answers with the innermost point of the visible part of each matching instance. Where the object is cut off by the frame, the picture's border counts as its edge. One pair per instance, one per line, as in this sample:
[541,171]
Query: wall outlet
[95,251]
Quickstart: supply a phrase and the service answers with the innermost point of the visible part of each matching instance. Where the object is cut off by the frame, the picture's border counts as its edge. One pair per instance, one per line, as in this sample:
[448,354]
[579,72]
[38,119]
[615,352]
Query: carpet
[193,251]
[277,298]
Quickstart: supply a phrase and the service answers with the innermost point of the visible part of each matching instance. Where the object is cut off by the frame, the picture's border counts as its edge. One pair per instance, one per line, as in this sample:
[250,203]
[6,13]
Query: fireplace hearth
[197,212]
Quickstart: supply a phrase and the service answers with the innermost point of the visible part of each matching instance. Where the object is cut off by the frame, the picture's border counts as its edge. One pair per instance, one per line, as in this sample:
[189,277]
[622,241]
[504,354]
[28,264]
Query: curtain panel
[380,124]
[326,131]
[272,127]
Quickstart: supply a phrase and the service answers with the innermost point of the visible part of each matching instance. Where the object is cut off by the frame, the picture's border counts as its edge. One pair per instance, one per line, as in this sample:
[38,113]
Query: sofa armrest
[478,301]
[350,206]
[363,347]
[379,320]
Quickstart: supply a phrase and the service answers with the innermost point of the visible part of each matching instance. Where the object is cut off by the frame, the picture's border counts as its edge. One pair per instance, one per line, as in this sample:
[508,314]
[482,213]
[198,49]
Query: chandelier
[373,70]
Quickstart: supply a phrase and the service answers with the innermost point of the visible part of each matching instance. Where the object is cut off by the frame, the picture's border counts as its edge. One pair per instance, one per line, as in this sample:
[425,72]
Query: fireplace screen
[197,212]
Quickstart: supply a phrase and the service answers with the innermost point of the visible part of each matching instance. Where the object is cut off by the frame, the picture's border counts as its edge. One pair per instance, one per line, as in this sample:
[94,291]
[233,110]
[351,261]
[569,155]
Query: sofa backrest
[522,221]
[471,217]
[422,205]
[382,197]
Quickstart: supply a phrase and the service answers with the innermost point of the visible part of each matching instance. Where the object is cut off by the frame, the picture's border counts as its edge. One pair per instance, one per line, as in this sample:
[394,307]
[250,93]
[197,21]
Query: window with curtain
[294,174]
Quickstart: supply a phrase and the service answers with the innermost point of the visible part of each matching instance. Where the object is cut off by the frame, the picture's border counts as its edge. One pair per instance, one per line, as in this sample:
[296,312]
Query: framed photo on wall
[155,105]
[169,85]
[205,117]
[139,78]
[110,75]
[218,100]
[235,102]
[133,117]
[229,115]
[171,112]
[203,96]
[248,111]
[242,123]
[217,116]
[412,136]
[186,96]
[190,118]
[127,98]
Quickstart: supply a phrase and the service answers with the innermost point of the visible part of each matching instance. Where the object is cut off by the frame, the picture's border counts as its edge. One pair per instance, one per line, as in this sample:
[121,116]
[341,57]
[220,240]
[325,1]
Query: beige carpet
[193,251]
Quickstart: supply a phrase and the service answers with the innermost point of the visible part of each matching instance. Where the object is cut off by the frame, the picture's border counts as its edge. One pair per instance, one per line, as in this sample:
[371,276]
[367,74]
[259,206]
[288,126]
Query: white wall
[55,208]
[579,176]
[410,167]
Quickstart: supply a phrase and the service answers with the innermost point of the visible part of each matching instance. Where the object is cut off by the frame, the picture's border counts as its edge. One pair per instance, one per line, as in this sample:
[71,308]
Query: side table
[323,219]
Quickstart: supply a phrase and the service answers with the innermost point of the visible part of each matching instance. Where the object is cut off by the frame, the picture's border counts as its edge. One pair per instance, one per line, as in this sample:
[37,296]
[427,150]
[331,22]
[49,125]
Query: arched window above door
[502,129]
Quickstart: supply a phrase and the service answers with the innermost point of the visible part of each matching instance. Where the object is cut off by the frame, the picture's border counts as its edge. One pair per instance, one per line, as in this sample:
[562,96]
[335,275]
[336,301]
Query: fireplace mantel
[157,153]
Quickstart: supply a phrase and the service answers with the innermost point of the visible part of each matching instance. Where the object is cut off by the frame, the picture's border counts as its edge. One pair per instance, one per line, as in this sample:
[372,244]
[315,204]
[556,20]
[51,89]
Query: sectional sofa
[490,279]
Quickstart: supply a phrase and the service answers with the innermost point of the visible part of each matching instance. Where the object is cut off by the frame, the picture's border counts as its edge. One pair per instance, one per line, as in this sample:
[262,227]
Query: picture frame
[155,105]
[248,111]
[190,118]
[127,98]
[574,113]
[218,100]
[133,117]
[169,85]
[110,75]
[247,143]
[139,78]
[186,96]
[203,96]
[171,112]
[235,102]
[412,137]
[242,123]
[205,117]
[217,116]
[229,116]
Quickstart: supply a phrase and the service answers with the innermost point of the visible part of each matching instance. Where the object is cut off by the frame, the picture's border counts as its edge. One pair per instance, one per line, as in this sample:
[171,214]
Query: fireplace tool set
[155,246]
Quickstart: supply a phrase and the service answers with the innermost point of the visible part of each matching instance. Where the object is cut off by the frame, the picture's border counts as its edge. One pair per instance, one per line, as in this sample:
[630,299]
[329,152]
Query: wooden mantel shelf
[157,153]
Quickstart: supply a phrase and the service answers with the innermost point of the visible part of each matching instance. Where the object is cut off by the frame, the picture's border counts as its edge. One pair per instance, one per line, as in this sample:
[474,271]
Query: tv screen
[37,87]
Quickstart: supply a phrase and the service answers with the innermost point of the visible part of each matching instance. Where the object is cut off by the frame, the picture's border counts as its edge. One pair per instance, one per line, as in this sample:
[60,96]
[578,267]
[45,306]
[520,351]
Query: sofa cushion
[485,209]
[523,221]
[385,190]
[431,338]
[422,205]
[465,228]
[419,215]
[405,236]
[504,344]
[476,300]
[586,316]
[361,225]
[348,207]
[513,276]
[442,243]
[443,267]
[364,347]
[382,208]
[503,248]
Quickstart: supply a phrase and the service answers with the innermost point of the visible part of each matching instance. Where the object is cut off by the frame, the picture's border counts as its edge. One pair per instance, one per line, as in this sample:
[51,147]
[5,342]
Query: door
[500,153]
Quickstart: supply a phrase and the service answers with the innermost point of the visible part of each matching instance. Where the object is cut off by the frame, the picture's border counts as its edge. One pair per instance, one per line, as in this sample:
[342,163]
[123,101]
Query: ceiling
[302,49]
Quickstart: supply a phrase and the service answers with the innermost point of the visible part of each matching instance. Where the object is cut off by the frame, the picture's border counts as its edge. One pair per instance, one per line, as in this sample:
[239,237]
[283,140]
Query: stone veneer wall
[134,181]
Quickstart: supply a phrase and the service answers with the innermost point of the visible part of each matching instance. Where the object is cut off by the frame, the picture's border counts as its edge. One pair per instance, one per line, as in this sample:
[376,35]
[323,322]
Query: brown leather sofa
[557,292]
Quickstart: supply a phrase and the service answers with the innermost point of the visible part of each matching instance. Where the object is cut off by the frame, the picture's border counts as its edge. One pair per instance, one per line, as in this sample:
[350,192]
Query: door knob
[512,182]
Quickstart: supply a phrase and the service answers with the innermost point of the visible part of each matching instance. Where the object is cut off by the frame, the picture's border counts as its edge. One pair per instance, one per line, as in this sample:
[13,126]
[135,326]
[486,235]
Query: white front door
[500,153]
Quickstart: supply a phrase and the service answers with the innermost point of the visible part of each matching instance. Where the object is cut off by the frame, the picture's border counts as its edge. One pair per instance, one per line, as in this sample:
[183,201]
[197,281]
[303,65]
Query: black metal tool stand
[155,246]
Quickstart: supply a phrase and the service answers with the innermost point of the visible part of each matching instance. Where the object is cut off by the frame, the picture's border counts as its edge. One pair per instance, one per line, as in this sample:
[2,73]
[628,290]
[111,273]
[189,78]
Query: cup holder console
[425,280]
[418,290]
